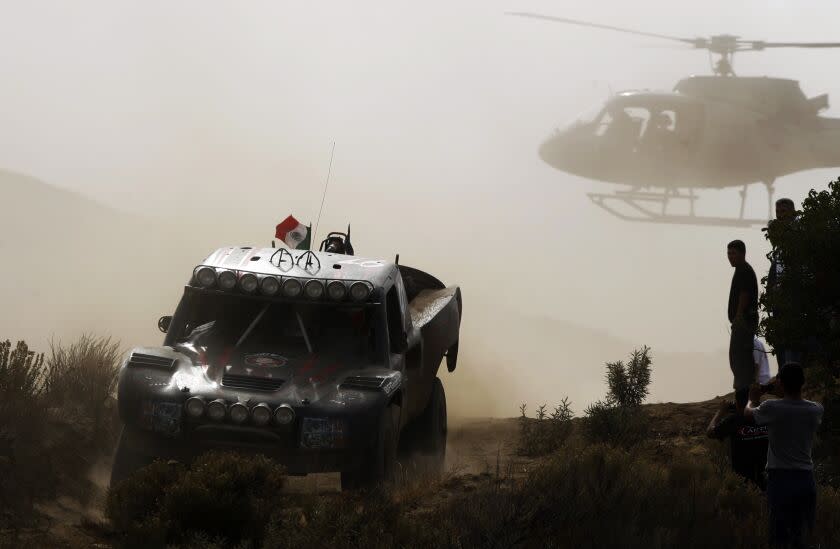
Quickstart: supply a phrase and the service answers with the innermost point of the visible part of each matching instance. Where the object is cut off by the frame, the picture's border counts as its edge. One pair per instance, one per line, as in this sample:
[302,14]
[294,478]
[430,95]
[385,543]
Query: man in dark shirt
[785,215]
[743,314]
[748,442]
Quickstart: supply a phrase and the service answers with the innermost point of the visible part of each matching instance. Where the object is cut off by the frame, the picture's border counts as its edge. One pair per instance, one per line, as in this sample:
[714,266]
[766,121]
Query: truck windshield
[219,323]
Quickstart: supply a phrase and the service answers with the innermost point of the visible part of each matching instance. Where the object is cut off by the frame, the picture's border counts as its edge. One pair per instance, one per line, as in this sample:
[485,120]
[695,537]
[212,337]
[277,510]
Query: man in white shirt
[762,364]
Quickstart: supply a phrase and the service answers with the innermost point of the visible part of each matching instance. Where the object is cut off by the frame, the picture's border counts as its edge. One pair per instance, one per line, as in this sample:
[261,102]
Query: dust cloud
[138,137]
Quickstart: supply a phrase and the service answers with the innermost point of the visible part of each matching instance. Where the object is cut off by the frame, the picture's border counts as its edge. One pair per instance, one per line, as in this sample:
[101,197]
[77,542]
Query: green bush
[139,498]
[619,418]
[628,385]
[618,425]
[546,432]
[223,496]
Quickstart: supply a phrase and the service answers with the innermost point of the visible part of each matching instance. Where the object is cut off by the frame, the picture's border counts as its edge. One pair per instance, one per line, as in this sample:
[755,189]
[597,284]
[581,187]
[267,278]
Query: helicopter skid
[641,206]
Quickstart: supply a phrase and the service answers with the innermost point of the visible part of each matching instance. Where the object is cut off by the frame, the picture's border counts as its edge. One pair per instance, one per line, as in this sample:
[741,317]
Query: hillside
[541,359]
[71,264]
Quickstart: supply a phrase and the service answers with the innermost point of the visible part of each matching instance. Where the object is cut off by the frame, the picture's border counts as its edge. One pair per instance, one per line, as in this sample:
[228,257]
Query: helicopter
[709,132]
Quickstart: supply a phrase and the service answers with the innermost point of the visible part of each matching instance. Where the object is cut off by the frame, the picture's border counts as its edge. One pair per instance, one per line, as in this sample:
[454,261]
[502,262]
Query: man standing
[791,424]
[743,315]
[785,214]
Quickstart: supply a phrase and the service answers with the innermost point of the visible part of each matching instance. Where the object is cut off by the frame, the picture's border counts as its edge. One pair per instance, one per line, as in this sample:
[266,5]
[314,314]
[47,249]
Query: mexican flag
[294,233]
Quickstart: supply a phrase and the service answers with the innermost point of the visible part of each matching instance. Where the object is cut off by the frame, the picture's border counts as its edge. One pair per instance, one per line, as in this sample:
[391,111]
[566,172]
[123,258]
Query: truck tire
[380,461]
[428,434]
[127,458]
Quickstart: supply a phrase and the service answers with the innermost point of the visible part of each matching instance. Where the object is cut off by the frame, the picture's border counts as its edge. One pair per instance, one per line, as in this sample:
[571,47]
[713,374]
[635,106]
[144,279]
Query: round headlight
[227,280]
[270,285]
[359,291]
[261,414]
[336,290]
[216,410]
[292,287]
[314,289]
[238,412]
[248,283]
[205,276]
[284,414]
[194,406]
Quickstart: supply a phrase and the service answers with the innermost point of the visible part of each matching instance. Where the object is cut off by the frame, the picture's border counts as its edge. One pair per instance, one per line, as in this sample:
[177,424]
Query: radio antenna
[323,198]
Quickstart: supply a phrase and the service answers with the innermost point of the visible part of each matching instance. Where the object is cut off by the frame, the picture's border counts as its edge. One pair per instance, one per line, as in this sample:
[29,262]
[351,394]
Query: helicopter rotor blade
[760,45]
[691,41]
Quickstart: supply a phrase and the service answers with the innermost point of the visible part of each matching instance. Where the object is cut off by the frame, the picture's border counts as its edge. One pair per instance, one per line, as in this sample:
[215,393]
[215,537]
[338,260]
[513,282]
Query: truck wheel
[380,461]
[431,430]
[127,458]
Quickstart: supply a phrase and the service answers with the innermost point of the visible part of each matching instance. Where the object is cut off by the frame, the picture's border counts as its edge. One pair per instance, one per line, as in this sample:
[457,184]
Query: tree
[805,301]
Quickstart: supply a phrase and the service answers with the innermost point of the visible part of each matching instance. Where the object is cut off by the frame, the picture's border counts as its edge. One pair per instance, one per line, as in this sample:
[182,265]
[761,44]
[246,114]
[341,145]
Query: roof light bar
[208,277]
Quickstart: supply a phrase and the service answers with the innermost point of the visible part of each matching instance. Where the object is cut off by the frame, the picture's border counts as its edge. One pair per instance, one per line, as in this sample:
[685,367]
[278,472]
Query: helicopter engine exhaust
[819,103]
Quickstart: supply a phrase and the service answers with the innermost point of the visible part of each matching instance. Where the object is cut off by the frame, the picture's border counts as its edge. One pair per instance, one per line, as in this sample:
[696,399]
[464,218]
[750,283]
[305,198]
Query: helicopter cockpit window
[621,124]
[603,124]
[647,127]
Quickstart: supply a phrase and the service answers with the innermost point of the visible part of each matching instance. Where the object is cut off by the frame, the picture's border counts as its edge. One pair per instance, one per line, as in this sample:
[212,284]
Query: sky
[223,115]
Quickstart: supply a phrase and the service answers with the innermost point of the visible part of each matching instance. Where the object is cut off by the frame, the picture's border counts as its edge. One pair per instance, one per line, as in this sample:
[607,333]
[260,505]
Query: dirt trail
[474,446]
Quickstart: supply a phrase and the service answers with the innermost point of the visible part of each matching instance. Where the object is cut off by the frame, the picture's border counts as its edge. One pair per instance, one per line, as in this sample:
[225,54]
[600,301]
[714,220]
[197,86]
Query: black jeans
[741,356]
[792,499]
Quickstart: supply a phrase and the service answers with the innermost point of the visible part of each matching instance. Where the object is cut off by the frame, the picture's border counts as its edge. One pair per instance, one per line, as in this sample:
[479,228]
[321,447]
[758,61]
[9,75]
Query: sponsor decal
[752,431]
[161,417]
[323,433]
[265,360]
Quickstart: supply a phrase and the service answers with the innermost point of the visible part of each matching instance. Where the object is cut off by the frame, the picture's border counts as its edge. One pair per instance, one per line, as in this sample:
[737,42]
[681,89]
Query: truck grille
[252,383]
[140,360]
[363,382]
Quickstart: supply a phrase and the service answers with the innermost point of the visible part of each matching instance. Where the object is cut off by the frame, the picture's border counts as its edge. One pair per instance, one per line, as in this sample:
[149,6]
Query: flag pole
[324,197]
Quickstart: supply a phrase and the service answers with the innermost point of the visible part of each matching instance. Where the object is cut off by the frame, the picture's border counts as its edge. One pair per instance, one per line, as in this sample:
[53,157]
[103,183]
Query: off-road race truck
[325,362]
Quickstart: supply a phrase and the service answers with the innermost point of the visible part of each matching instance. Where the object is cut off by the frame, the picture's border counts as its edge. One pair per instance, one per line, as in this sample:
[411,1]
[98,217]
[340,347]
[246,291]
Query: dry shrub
[583,496]
[546,432]
[367,520]
[223,497]
[54,421]
[83,374]
[602,496]
[24,468]
[21,374]
[828,517]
